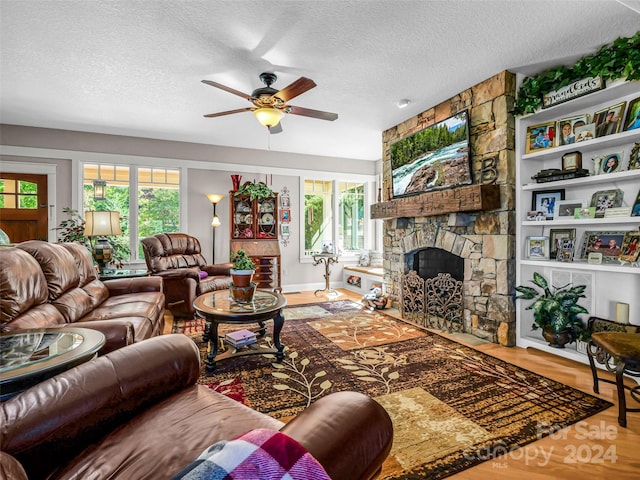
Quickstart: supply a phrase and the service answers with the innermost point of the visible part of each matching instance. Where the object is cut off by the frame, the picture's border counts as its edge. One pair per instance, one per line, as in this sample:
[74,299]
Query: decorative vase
[235,180]
[556,340]
[243,294]
[242,278]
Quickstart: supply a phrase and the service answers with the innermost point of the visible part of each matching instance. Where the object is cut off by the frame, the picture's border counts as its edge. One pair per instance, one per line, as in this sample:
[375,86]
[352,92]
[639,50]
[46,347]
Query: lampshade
[214,197]
[215,222]
[102,223]
[268,117]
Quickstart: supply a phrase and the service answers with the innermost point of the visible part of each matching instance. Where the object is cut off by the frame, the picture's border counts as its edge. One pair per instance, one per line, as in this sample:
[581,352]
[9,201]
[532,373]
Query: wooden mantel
[460,199]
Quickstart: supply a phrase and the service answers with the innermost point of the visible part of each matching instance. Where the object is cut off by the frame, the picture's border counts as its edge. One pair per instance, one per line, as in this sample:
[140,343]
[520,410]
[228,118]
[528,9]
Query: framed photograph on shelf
[556,237]
[567,208]
[632,120]
[566,250]
[604,199]
[537,248]
[585,132]
[536,216]
[609,120]
[566,128]
[634,157]
[635,211]
[610,163]
[545,201]
[605,243]
[584,212]
[572,161]
[630,250]
[540,137]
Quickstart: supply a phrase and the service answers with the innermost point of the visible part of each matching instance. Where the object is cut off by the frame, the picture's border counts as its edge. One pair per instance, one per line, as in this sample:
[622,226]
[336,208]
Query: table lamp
[102,224]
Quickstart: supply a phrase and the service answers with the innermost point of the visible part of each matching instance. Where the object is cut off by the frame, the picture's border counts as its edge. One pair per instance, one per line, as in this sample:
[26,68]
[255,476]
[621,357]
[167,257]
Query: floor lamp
[214,198]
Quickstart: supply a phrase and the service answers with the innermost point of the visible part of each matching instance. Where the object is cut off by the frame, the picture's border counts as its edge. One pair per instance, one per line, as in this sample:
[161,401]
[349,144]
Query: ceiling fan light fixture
[268,117]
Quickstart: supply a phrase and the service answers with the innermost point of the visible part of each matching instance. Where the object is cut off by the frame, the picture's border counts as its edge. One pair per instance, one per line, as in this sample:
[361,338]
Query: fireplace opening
[429,262]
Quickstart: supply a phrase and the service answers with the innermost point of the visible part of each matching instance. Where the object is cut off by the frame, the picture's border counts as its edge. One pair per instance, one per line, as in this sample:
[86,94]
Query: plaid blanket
[259,454]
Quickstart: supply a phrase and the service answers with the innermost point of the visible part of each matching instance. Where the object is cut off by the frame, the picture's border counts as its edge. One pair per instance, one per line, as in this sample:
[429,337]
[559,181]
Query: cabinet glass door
[267,218]
[242,217]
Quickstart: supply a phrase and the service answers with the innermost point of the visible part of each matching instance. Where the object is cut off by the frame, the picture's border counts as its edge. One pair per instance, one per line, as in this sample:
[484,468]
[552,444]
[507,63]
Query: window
[18,194]
[148,199]
[334,213]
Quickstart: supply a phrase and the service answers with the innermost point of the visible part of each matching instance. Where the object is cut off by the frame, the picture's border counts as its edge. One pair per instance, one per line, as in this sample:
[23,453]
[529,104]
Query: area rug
[452,407]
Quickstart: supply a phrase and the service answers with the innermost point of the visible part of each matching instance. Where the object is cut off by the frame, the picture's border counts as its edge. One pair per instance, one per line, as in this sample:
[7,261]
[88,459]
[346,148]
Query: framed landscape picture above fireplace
[434,158]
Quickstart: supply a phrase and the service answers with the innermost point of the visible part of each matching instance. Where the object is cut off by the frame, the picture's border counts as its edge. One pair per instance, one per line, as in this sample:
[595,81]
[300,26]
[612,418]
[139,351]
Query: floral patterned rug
[452,406]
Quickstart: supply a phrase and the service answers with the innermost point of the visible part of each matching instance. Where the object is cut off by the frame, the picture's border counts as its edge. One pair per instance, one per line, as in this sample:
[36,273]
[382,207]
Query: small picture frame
[634,157]
[536,216]
[566,250]
[632,120]
[594,258]
[284,230]
[610,163]
[567,208]
[609,120]
[566,128]
[606,243]
[584,212]
[285,215]
[572,161]
[545,201]
[604,199]
[285,202]
[585,132]
[630,250]
[537,248]
[540,137]
[635,211]
[557,236]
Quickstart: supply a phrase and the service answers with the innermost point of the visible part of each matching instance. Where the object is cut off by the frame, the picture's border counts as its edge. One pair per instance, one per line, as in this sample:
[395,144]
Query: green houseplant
[242,270]
[555,310]
[254,190]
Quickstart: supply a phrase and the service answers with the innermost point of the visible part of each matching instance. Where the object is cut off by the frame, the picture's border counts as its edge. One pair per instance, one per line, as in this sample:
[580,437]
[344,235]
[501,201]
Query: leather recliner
[177,258]
[139,413]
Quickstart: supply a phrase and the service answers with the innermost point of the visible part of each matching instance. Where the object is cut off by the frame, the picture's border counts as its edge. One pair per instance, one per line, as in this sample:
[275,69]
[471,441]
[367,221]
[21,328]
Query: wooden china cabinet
[254,229]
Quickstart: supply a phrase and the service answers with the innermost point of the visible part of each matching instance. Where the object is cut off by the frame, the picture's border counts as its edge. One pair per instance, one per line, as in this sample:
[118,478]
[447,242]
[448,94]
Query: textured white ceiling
[134,67]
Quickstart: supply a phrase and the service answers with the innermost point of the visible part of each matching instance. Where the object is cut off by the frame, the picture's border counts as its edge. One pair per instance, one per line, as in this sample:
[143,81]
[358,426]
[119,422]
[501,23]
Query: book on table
[240,338]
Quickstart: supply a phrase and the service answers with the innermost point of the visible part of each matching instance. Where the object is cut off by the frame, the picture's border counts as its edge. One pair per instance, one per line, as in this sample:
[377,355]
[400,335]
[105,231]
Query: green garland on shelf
[620,59]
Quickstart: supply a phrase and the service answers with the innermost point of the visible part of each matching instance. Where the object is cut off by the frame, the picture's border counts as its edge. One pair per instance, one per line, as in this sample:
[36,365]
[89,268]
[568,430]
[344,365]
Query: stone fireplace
[472,226]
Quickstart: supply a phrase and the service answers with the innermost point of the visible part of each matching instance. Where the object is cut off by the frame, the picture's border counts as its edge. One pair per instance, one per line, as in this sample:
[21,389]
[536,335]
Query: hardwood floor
[596,448]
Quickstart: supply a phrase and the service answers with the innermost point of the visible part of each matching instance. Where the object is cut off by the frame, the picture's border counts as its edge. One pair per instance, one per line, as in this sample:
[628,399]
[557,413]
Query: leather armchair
[177,258]
[138,412]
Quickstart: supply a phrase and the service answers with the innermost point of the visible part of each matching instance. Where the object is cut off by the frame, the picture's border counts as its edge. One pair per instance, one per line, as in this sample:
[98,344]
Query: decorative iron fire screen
[434,303]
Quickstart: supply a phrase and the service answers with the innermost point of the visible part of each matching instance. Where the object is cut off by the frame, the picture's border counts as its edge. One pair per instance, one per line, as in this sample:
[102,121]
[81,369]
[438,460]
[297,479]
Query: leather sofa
[177,259]
[45,285]
[138,413]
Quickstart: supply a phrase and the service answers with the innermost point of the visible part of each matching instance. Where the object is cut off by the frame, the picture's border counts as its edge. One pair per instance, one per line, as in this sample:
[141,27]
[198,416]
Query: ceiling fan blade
[296,88]
[228,89]
[229,112]
[276,129]
[307,112]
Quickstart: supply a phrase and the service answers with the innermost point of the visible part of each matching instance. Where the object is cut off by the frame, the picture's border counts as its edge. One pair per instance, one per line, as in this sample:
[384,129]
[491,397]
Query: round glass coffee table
[219,308]
[30,356]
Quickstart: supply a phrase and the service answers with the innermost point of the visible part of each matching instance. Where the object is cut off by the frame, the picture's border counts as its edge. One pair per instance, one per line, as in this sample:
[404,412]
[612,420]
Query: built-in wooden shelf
[472,198]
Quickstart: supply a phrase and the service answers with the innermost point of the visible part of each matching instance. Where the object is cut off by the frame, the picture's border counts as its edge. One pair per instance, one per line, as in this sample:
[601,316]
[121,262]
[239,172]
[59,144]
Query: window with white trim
[334,212]
[148,199]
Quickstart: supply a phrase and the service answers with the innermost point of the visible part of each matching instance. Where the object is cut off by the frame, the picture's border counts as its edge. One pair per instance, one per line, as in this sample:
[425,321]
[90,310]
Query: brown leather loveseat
[45,285]
[137,413]
[177,259]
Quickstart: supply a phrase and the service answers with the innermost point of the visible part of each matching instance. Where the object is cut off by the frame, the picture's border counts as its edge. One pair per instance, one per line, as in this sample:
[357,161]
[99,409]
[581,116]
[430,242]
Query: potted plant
[242,288]
[555,311]
[254,190]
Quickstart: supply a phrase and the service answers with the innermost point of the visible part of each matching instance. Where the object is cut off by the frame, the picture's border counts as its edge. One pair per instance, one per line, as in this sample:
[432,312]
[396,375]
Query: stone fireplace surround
[484,238]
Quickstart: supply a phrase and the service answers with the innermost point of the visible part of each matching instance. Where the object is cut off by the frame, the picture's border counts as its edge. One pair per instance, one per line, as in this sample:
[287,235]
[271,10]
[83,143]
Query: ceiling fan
[270,105]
